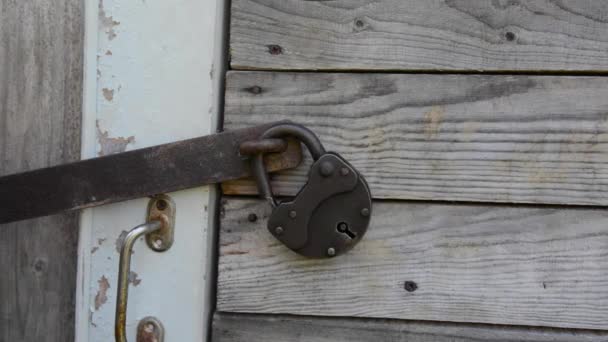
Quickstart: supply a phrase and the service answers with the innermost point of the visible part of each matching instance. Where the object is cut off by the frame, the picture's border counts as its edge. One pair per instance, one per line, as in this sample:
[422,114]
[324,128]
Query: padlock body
[329,215]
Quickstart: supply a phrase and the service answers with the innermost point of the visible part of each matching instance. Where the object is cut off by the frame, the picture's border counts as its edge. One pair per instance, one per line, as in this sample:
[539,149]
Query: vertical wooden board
[531,139]
[41,48]
[565,35]
[38,282]
[471,263]
[231,327]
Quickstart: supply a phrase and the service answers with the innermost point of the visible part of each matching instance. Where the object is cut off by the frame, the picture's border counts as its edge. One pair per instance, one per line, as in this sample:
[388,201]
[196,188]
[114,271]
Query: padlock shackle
[306,136]
[303,134]
[263,182]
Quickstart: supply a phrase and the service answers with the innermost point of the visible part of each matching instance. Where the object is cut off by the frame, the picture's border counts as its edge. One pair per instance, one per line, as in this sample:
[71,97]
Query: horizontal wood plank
[527,139]
[512,265]
[548,35]
[230,327]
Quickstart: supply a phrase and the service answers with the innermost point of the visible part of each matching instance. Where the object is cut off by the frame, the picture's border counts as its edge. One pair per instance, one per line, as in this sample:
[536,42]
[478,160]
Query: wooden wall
[481,127]
[41,60]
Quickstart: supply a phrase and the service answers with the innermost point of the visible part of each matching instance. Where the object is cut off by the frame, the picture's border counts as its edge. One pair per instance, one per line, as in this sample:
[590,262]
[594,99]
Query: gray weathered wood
[549,35]
[532,139]
[230,327]
[472,263]
[41,48]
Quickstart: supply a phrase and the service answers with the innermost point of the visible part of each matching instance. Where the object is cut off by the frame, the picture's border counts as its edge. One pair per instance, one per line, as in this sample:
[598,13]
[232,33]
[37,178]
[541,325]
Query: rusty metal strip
[139,173]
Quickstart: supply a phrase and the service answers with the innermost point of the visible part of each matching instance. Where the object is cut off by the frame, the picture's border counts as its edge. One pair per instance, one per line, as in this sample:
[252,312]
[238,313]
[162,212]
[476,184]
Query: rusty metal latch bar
[166,168]
[159,234]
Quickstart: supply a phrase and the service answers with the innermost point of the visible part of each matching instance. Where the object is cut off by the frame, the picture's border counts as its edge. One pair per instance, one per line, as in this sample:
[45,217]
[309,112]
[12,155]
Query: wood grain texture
[484,35]
[41,51]
[230,327]
[472,263]
[529,139]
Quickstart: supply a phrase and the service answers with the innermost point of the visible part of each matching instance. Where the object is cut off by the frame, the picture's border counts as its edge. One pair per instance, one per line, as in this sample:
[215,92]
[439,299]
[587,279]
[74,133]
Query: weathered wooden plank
[472,263]
[41,51]
[565,35]
[530,139]
[230,327]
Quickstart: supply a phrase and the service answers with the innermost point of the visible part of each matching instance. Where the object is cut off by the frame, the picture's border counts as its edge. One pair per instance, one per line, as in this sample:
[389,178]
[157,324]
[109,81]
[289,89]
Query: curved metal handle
[159,236]
[123,275]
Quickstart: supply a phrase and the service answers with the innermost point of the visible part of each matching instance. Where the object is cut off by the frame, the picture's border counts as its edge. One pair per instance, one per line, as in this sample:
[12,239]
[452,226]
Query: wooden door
[481,127]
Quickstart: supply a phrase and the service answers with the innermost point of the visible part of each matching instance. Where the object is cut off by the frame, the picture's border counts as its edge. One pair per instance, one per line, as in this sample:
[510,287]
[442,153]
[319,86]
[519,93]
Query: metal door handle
[159,235]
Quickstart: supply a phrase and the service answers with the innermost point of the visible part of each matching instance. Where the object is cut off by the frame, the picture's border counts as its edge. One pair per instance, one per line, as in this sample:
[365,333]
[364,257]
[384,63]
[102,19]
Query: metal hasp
[159,235]
[331,213]
[160,169]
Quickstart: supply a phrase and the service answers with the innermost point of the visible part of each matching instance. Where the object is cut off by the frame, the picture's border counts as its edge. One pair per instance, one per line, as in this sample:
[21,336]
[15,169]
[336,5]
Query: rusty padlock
[331,213]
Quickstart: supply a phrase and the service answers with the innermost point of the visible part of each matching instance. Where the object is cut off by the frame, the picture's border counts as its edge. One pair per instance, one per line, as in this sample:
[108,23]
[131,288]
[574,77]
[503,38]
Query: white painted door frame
[153,74]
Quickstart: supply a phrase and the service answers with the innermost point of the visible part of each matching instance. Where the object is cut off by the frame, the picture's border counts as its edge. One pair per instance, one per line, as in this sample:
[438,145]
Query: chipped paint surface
[108,94]
[106,22]
[147,88]
[101,297]
[109,145]
[133,279]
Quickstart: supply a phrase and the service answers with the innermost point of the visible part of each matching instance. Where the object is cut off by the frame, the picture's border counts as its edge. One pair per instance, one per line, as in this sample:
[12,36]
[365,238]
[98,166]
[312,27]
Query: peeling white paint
[145,84]
[107,22]
[109,145]
[134,278]
[102,292]
[108,94]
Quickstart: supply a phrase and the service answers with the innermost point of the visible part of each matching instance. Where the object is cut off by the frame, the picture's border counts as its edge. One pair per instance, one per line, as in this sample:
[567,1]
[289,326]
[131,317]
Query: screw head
[365,212]
[342,227]
[39,265]
[410,286]
[158,243]
[161,204]
[255,90]
[252,217]
[326,169]
[344,171]
[274,49]
[331,252]
[293,214]
[150,328]
[278,230]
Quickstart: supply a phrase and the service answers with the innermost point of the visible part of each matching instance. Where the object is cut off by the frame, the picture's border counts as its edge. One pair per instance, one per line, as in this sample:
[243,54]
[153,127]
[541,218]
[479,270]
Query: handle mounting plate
[161,206]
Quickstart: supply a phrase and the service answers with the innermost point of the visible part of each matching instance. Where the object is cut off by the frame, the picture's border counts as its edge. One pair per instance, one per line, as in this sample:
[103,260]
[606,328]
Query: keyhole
[344,229]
